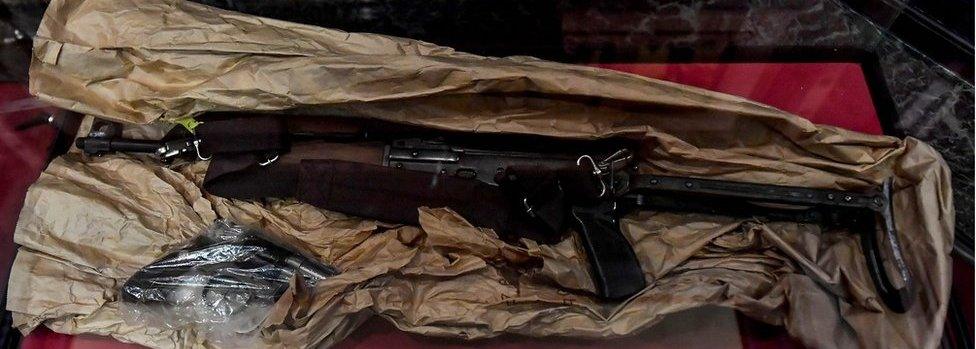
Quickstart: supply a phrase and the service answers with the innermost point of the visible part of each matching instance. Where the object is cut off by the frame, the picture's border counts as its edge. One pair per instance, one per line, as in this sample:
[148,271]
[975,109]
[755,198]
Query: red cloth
[826,93]
[23,154]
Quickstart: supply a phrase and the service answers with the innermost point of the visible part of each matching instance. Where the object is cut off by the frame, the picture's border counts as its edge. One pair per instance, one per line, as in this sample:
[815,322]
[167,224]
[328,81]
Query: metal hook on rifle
[596,172]
[268,161]
[196,147]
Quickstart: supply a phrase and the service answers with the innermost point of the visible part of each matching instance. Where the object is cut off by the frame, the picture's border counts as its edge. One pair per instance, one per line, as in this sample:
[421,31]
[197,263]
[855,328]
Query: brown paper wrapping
[89,223]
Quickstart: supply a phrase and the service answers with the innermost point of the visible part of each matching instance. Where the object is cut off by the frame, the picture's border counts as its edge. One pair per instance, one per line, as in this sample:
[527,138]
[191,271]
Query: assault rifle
[520,186]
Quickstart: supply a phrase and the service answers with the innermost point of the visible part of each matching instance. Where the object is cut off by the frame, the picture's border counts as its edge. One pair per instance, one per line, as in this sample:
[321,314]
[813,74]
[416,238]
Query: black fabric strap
[237,147]
[373,191]
[529,202]
[393,195]
[238,176]
[259,134]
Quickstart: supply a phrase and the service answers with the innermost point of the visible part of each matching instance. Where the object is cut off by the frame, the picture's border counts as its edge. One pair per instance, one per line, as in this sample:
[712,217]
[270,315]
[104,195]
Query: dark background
[918,54]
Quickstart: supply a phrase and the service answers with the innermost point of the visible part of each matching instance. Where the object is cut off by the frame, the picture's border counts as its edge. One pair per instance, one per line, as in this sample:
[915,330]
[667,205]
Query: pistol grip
[897,299]
[614,267]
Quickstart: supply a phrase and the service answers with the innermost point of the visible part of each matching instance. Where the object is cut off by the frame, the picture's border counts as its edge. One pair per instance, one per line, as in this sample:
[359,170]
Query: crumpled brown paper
[88,224]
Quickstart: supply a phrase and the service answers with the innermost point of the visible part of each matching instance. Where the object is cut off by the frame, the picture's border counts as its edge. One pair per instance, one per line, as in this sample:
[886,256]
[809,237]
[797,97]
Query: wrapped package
[89,224]
[223,284]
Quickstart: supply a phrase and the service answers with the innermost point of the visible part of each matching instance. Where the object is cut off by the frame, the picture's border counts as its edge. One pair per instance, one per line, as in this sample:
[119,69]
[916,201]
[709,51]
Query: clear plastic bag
[223,284]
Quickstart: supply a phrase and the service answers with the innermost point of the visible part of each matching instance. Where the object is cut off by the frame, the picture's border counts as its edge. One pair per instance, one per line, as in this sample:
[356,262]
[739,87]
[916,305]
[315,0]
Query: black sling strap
[237,147]
[240,168]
